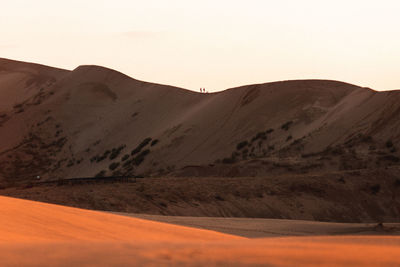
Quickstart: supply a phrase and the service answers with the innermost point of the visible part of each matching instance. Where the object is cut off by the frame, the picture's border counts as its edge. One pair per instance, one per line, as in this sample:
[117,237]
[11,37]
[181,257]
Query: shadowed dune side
[87,113]
[22,83]
[59,236]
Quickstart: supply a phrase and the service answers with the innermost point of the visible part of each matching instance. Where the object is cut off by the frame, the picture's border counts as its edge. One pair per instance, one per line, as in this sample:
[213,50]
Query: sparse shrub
[100,174]
[228,160]
[260,143]
[260,135]
[242,145]
[391,158]
[366,138]
[170,168]
[286,125]
[163,204]
[140,158]
[113,166]
[102,157]
[139,148]
[389,144]
[218,197]
[116,151]
[397,183]
[269,131]
[289,138]
[155,141]
[127,163]
[125,157]
[17,106]
[375,189]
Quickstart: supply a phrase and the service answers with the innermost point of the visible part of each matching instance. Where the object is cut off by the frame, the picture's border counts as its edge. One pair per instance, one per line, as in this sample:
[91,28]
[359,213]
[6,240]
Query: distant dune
[305,149]
[313,146]
[37,234]
[58,123]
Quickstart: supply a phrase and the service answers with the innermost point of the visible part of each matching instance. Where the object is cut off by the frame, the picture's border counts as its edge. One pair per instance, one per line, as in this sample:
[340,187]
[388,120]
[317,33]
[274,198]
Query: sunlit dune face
[23,221]
[296,251]
[33,233]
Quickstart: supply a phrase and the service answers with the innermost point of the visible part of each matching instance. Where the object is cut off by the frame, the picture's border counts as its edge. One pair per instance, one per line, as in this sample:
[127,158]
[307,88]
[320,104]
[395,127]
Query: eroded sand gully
[34,233]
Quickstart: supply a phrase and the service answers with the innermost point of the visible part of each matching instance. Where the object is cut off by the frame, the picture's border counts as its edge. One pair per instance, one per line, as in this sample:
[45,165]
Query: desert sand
[37,234]
[304,149]
[89,121]
[319,197]
[258,227]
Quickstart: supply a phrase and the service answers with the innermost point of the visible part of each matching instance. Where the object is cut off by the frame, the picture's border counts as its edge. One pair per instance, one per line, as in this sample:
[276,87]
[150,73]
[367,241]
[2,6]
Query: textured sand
[37,234]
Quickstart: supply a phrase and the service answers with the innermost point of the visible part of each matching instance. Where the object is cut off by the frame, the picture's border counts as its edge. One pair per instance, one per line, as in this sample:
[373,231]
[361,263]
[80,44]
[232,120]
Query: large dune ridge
[38,234]
[300,149]
[63,122]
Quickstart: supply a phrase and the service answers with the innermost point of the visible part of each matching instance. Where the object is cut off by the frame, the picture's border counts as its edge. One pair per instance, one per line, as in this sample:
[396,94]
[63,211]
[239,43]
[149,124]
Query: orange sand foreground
[33,233]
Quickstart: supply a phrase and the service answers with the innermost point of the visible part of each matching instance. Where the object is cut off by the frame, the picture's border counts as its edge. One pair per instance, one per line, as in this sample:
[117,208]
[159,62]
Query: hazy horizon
[208,44]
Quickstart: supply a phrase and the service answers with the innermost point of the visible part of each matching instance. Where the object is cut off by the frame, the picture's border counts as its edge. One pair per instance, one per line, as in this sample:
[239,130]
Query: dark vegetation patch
[100,174]
[116,151]
[375,189]
[260,135]
[286,125]
[113,166]
[139,148]
[391,158]
[242,145]
[99,158]
[140,158]
[269,131]
[154,142]
[389,143]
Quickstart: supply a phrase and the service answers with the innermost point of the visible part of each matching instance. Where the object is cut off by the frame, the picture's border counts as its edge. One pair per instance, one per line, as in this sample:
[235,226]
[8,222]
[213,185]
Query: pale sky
[216,44]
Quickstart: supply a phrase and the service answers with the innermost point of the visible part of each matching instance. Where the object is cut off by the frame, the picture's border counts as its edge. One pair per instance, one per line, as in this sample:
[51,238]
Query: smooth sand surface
[38,234]
[257,227]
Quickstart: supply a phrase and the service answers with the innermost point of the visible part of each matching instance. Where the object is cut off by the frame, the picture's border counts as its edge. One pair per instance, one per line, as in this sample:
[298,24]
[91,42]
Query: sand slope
[28,221]
[84,120]
[257,227]
[37,234]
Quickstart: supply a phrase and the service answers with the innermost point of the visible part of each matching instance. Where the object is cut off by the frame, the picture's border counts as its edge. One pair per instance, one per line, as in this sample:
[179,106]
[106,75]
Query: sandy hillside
[96,121]
[33,233]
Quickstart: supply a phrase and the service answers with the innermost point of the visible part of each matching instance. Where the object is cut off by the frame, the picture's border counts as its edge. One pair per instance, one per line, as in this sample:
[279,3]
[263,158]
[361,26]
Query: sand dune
[328,138]
[33,233]
[68,127]
[28,221]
